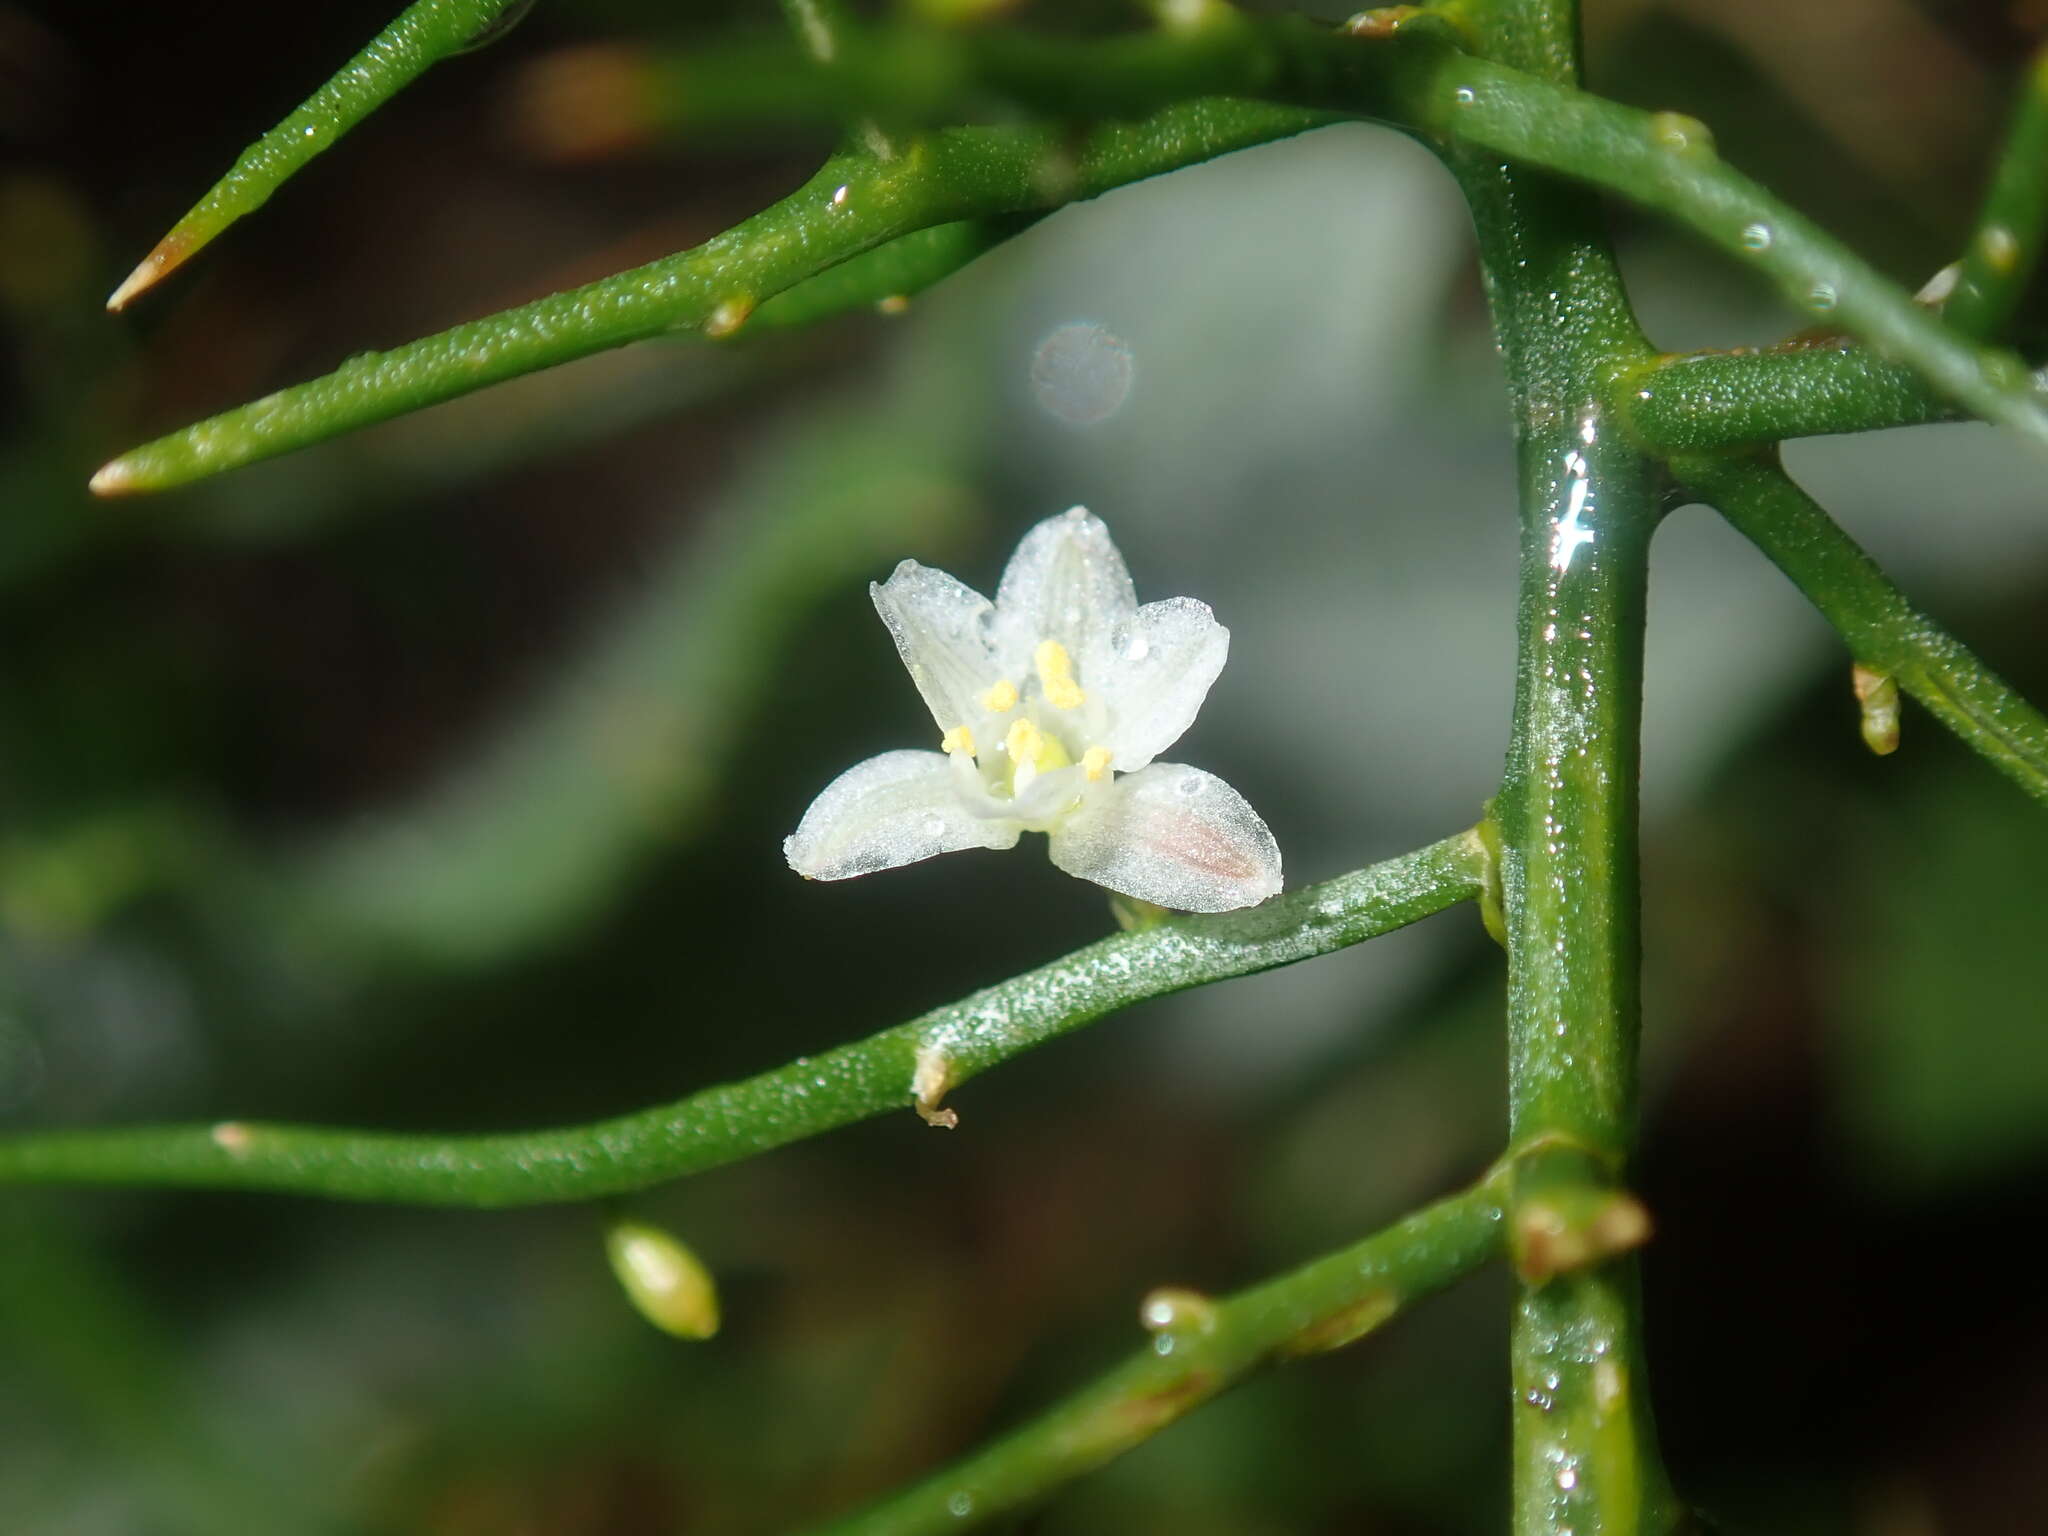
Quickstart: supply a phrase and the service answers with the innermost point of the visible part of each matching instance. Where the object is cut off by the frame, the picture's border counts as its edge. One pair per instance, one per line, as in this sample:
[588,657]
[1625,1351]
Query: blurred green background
[435,779]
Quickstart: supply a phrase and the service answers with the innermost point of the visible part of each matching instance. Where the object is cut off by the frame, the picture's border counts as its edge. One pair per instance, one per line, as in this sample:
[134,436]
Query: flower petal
[943,631]
[1163,663]
[890,810]
[1066,582]
[1175,836]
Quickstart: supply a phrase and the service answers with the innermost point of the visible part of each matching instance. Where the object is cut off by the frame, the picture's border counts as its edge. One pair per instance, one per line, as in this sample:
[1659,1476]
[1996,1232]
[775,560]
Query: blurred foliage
[434,778]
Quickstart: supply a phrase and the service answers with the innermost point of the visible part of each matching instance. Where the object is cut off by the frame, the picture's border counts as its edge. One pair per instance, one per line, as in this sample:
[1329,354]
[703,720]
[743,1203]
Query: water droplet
[1756,237]
[1135,648]
[1567,1479]
[1680,134]
[1082,373]
[960,1504]
[1464,96]
[934,826]
[497,26]
[1821,297]
[1189,786]
[1163,1344]
[2001,247]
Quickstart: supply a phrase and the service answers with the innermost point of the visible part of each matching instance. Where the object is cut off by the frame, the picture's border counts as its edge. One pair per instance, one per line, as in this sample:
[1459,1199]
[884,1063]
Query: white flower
[1051,703]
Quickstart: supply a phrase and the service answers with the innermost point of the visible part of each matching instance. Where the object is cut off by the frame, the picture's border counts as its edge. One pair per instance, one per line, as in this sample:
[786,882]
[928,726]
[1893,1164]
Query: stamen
[958,739]
[1000,699]
[1025,743]
[1095,762]
[1056,672]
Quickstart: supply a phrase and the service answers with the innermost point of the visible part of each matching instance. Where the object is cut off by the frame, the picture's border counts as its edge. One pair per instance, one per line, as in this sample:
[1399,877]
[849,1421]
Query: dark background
[435,779]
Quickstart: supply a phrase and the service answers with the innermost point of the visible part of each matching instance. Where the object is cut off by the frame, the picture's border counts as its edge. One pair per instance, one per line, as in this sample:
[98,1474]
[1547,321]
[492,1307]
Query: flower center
[1033,743]
[1032,752]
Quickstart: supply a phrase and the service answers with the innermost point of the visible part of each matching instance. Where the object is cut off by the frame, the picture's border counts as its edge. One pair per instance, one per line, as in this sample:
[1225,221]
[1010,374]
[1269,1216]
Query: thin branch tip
[114,478]
[168,255]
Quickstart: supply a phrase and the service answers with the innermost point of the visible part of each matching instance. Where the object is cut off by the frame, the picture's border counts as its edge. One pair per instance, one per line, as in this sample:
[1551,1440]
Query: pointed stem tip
[114,478]
[166,258]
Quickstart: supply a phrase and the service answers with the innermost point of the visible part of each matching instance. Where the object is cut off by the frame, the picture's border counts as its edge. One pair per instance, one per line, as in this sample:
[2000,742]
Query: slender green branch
[1538,37]
[1417,79]
[899,270]
[1199,1348]
[720,1125]
[1584,1448]
[424,32]
[862,200]
[1882,629]
[2005,248]
[1667,163]
[856,203]
[1708,400]
[1585,1453]
[922,76]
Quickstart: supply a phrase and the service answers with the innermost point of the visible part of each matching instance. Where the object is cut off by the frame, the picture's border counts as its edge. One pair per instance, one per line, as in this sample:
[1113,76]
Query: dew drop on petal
[1821,297]
[934,826]
[1756,237]
[1082,373]
[960,1505]
[1190,785]
[1464,96]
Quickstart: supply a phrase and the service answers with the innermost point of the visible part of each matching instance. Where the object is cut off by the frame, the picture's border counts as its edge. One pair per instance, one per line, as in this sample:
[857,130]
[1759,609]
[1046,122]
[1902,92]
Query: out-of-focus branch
[915,1063]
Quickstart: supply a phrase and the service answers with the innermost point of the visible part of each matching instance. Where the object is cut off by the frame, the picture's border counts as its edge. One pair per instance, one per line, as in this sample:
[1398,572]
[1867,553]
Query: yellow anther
[1056,672]
[1000,699]
[1032,752]
[958,739]
[1025,743]
[1095,762]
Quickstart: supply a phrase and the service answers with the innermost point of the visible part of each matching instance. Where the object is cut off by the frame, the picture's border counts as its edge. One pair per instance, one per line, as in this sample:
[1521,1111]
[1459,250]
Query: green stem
[942,1049]
[1882,628]
[1708,400]
[865,199]
[901,269]
[423,33]
[1667,163]
[1584,1452]
[854,204]
[2005,247]
[1205,1347]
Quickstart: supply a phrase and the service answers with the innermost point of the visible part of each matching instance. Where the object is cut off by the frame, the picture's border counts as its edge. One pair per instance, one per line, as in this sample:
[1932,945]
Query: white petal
[1175,836]
[1162,665]
[890,810]
[1066,582]
[943,630]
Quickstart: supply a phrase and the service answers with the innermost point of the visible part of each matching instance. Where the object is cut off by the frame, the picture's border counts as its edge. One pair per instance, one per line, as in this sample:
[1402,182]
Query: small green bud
[1133,914]
[1877,694]
[666,1281]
